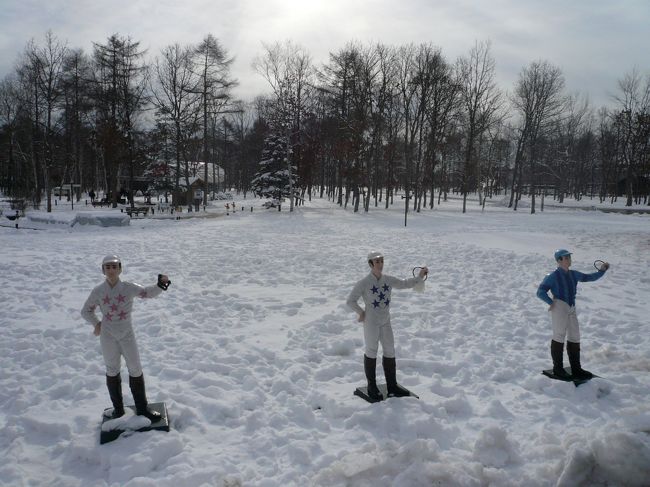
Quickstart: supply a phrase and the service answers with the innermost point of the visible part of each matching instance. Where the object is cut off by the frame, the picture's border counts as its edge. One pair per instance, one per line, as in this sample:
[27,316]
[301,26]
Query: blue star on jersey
[383,296]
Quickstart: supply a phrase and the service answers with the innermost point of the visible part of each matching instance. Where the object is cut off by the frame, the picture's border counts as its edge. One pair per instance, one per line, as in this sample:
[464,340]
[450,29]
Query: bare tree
[412,110]
[41,72]
[481,103]
[29,95]
[241,122]
[121,80]
[338,85]
[288,70]
[76,94]
[567,132]
[383,121]
[368,123]
[212,65]
[633,123]
[9,108]
[52,56]
[443,103]
[433,105]
[606,138]
[539,101]
[176,96]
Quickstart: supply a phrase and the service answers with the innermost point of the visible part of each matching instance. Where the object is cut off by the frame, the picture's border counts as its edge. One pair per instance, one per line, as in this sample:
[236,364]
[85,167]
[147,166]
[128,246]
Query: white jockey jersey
[376,294]
[115,304]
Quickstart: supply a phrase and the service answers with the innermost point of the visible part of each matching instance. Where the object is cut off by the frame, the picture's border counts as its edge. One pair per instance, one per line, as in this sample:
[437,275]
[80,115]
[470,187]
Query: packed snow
[256,355]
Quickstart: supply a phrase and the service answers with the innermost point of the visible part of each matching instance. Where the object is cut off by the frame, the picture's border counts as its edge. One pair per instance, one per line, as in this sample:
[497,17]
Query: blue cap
[561,253]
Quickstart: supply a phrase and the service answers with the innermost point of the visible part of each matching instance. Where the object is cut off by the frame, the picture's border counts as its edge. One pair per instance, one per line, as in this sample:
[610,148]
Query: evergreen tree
[272,177]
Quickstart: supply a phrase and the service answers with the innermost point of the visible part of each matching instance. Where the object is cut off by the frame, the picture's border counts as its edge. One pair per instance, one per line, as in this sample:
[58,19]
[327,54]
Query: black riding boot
[140,399]
[370,366]
[577,372]
[391,378]
[114,384]
[557,353]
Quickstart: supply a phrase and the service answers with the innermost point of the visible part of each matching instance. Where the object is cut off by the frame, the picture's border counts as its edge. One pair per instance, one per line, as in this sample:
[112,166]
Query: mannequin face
[564,262]
[112,271]
[377,266]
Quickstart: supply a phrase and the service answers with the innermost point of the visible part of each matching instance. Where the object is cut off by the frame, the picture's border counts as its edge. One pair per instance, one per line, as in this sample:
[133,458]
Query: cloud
[594,42]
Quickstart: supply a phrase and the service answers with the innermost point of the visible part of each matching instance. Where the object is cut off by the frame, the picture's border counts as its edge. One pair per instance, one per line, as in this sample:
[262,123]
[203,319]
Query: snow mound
[610,458]
[493,448]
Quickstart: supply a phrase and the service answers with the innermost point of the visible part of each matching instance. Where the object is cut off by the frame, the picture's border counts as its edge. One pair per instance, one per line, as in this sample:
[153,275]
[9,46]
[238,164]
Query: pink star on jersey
[113,307]
[143,294]
[109,317]
[107,299]
[120,298]
[123,315]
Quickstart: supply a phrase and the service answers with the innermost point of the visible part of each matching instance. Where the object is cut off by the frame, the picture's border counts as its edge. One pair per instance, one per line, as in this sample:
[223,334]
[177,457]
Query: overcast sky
[594,42]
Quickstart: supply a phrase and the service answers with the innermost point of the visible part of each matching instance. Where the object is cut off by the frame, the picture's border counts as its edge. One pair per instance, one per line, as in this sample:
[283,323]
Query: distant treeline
[371,121]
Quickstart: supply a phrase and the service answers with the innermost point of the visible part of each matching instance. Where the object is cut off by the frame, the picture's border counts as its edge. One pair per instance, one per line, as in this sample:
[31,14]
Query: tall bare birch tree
[481,102]
[539,101]
[633,124]
[212,65]
[175,94]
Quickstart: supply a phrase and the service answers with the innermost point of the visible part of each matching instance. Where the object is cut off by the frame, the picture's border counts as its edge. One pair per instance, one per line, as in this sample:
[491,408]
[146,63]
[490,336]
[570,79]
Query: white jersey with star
[115,304]
[376,294]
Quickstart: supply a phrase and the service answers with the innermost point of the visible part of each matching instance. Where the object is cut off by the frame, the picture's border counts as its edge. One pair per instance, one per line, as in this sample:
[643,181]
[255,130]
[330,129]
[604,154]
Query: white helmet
[375,255]
[111,259]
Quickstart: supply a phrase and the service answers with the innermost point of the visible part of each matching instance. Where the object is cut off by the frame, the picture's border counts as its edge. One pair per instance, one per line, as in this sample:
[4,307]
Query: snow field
[256,355]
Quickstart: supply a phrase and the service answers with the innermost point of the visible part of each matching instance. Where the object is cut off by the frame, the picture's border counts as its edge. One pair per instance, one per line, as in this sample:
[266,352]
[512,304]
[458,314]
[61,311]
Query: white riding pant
[113,349]
[565,322]
[373,335]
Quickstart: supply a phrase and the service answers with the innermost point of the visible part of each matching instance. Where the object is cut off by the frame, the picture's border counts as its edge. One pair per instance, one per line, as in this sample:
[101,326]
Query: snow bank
[108,219]
[71,218]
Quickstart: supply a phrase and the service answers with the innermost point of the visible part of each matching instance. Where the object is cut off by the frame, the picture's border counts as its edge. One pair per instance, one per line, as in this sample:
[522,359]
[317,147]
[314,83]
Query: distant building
[160,177]
[187,195]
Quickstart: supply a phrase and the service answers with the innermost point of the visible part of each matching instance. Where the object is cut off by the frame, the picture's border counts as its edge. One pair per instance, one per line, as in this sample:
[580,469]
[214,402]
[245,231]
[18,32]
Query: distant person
[563,284]
[114,298]
[375,289]
[91,193]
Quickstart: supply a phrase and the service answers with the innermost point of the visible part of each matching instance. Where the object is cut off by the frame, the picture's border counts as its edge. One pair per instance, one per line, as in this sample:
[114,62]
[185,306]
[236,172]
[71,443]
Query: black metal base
[362,392]
[549,373]
[160,425]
